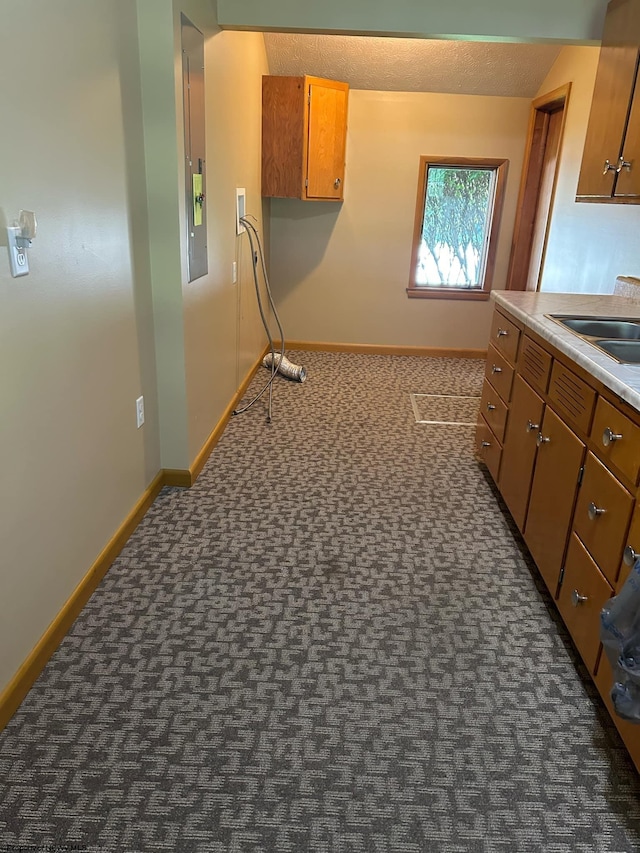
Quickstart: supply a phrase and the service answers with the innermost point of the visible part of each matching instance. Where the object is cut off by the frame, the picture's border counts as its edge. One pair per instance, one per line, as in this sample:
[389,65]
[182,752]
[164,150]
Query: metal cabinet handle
[623,164]
[542,439]
[609,436]
[337,183]
[609,167]
[594,511]
[577,599]
[630,556]
[531,426]
[502,333]
[491,407]
[496,369]
[485,444]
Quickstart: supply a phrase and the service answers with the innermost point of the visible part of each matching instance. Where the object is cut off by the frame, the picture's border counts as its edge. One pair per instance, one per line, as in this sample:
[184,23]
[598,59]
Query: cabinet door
[553,492]
[583,594]
[603,511]
[326,139]
[612,94]
[628,181]
[519,452]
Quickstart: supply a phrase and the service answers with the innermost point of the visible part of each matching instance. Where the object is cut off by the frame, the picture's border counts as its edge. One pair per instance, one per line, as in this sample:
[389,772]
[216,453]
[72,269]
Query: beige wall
[76,343]
[107,314]
[589,244]
[222,331]
[339,272]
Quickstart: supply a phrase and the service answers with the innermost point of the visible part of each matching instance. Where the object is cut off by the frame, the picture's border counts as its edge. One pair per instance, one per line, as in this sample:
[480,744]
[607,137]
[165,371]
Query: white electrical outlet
[234,272]
[140,411]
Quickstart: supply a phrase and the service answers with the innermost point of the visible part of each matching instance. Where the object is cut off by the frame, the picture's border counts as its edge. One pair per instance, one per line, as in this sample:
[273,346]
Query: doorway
[537,189]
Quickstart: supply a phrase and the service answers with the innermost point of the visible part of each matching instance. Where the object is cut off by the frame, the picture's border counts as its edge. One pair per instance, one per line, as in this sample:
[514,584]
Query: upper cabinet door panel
[615,81]
[628,182]
[327,140]
[614,85]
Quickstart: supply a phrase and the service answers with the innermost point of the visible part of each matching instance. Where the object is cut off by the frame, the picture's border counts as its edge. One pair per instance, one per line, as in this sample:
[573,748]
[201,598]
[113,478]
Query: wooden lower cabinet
[582,596]
[553,493]
[602,516]
[519,451]
[488,448]
[629,732]
[565,456]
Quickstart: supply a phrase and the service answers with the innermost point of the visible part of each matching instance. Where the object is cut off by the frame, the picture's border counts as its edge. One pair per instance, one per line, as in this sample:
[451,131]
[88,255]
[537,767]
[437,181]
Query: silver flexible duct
[285,367]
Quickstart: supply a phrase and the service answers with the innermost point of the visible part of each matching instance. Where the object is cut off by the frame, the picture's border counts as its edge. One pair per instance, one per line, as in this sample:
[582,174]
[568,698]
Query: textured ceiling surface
[414,65]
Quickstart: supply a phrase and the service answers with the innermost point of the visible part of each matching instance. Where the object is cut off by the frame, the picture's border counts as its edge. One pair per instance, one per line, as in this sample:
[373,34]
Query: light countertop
[531,308]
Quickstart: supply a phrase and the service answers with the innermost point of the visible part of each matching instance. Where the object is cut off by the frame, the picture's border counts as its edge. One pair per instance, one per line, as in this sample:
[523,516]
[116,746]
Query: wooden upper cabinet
[304,132]
[613,138]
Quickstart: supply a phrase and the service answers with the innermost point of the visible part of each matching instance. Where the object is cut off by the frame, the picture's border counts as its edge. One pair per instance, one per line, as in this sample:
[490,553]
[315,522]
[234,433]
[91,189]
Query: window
[456,227]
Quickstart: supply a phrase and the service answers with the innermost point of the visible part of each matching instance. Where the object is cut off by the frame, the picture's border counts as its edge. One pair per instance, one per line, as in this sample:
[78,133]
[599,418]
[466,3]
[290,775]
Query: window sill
[446,293]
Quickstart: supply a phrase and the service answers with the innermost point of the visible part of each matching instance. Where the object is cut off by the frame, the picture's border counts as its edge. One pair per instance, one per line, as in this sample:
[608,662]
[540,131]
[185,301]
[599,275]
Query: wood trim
[447,293]
[501,168]
[530,180]
[384,349]
[21,683]
[551,101]
[179,477]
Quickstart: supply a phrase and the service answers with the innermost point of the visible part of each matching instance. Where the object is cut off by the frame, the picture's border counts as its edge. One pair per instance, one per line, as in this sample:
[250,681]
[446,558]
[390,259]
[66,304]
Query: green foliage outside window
[457,218]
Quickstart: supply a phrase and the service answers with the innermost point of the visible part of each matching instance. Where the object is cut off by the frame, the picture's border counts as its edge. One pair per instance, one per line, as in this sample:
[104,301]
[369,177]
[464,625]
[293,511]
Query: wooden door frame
[541,109]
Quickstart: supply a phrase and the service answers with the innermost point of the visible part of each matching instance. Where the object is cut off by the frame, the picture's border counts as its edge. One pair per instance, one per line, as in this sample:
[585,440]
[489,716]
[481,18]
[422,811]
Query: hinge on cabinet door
[580,476]
[309,96]
[561,578]
[306,182]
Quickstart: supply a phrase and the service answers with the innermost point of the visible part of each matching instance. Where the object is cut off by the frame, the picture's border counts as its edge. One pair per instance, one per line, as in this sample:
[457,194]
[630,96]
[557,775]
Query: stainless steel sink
[627,351]
[601,327]
[618,337]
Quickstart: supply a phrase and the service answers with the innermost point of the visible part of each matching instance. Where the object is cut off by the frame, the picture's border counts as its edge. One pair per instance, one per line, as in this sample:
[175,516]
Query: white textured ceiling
[414,65]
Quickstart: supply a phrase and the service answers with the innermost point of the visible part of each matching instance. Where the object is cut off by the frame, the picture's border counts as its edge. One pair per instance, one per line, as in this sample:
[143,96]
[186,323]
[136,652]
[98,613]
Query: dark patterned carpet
[334,642]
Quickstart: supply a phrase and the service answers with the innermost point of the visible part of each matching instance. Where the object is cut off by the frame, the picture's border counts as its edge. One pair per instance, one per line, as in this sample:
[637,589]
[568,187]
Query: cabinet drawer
[572,397]
[602,516]
[499,373]
[504,336]
[582,596]
[617,439]
[493,410]
[488,448]
[534,365]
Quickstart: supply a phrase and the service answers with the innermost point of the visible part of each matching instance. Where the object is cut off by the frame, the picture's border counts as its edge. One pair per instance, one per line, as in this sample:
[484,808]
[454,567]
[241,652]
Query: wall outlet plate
[139,411]
[241,208]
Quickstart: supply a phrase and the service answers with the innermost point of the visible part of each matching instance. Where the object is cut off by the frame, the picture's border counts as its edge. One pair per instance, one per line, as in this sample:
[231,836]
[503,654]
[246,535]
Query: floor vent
[445,409]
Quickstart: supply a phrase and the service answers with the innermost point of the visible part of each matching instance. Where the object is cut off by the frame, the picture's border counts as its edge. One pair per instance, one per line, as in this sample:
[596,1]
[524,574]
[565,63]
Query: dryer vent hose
[285,367]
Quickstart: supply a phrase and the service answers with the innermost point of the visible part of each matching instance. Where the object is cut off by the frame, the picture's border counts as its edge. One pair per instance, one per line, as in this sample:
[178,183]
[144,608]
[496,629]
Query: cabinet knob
[502,333]
[623,164]
[491,407]
[609,436]
[577,599]
[531,426]
[609,167]
[337,183]
[630,556]
[594,511]
[485,444]
[496,369]
[542,439]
